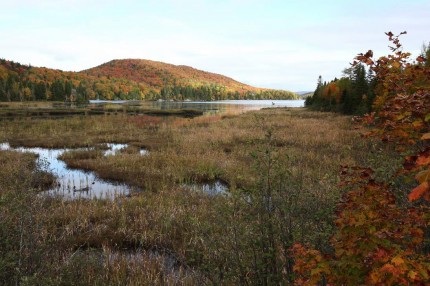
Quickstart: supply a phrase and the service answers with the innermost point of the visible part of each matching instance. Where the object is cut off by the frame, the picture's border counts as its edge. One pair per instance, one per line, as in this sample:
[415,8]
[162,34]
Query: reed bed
[167,234]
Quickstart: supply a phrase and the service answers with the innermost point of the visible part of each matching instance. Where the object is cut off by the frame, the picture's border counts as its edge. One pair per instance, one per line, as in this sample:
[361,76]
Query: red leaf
[409,163]
[420,59]
[423,160]
[418,192]
[369,54]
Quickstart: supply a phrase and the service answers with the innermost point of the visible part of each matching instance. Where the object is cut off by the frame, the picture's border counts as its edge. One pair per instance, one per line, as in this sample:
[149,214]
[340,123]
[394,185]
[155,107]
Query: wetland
[194,191]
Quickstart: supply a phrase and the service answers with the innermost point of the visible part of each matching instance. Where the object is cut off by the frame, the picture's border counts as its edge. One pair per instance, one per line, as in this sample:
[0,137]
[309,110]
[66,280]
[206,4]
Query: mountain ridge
[182,72]
[139,79]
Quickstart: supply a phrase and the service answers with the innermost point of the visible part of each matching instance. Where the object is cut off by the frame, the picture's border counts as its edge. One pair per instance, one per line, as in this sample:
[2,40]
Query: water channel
[75,183]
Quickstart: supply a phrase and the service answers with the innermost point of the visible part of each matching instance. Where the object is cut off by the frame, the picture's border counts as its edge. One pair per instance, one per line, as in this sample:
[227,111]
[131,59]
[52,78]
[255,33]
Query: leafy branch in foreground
[380,240]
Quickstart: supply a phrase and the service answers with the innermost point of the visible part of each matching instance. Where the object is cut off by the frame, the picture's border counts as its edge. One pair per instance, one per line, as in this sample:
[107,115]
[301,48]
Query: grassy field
[281,166]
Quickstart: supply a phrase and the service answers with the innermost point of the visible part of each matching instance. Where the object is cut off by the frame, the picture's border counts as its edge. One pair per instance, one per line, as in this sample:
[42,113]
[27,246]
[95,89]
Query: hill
[158,74]
[125,79]
[304,94]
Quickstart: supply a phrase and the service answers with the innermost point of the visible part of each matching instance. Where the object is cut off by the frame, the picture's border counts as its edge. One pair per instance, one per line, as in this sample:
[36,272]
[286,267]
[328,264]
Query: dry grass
[57,110]
[209,238]
[216,147]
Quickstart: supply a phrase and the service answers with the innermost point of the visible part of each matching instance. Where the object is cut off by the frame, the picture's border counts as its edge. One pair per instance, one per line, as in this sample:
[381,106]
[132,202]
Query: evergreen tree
[40,91]
[360,90]
[68,89]
[3,96]
[12,88]
[371,82]
[57,90]
[425,53]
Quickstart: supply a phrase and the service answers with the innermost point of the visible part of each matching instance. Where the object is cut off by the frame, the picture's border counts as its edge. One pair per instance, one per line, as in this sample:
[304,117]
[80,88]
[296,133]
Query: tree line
[25,83]
[354,93]
[351,94]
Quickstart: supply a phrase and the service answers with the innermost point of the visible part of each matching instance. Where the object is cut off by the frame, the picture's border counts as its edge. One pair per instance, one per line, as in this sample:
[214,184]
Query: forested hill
[158,74]
[124,79]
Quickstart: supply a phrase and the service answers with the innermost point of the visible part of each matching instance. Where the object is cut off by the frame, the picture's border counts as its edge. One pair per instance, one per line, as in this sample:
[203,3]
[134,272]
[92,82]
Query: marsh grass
[56,110]
[213,239]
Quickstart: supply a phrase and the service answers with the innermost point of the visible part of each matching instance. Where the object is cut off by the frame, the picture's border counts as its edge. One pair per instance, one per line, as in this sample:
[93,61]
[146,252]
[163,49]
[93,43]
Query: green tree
[40,91]
[68,89]
[57,89]
[3,96]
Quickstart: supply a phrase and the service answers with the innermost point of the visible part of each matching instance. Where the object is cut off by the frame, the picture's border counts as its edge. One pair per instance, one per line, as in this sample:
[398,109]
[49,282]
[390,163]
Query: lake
[209,107]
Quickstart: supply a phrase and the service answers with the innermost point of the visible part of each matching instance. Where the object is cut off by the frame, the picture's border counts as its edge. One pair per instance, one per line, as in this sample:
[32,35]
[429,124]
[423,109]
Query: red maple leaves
[380,241]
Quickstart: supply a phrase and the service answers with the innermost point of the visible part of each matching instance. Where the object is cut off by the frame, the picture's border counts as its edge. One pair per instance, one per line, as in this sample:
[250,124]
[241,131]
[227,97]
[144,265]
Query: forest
[355,92]
[124,80]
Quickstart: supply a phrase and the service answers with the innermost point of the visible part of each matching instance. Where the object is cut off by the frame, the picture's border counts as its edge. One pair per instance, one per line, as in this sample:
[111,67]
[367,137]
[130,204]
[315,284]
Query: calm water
[75,183]
[210,107]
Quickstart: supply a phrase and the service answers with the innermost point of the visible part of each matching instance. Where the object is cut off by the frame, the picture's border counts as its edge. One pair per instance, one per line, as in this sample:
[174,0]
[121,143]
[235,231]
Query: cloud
[283,44]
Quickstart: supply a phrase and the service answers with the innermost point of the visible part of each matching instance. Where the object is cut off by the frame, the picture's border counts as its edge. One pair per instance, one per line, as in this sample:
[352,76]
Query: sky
[281,44]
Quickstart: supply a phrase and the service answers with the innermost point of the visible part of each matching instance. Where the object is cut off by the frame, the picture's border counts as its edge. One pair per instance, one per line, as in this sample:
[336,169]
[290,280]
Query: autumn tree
[381,238]
[350,94]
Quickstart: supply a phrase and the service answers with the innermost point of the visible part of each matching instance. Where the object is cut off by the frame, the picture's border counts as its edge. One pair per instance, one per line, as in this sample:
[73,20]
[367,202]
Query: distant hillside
[304,94]
[125,79]
[158,74]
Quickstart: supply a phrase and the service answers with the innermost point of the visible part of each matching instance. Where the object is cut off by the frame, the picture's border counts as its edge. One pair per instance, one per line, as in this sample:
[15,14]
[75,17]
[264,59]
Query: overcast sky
[281,44]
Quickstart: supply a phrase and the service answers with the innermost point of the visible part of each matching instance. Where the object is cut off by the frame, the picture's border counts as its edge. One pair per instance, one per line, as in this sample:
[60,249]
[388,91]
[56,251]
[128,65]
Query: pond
[208,107]
[75,183]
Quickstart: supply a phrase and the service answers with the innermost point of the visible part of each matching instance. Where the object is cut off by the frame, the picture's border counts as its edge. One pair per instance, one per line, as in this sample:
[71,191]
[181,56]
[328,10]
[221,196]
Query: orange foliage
[378,241]
[404,117]
[135,79]
[156,74]
[310,267]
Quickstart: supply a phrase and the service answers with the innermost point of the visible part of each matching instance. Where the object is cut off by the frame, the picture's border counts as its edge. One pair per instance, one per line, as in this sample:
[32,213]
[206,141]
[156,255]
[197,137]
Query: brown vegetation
[29,110]
[210,239]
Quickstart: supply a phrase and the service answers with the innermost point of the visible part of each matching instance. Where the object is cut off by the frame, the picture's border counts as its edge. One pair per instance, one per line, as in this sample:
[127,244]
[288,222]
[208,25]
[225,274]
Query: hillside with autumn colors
[158,74]
[124,79]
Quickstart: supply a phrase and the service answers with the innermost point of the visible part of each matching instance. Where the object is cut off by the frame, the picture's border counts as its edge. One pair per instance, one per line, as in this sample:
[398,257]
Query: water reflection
[75,183]
[114,148]
[209,107]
